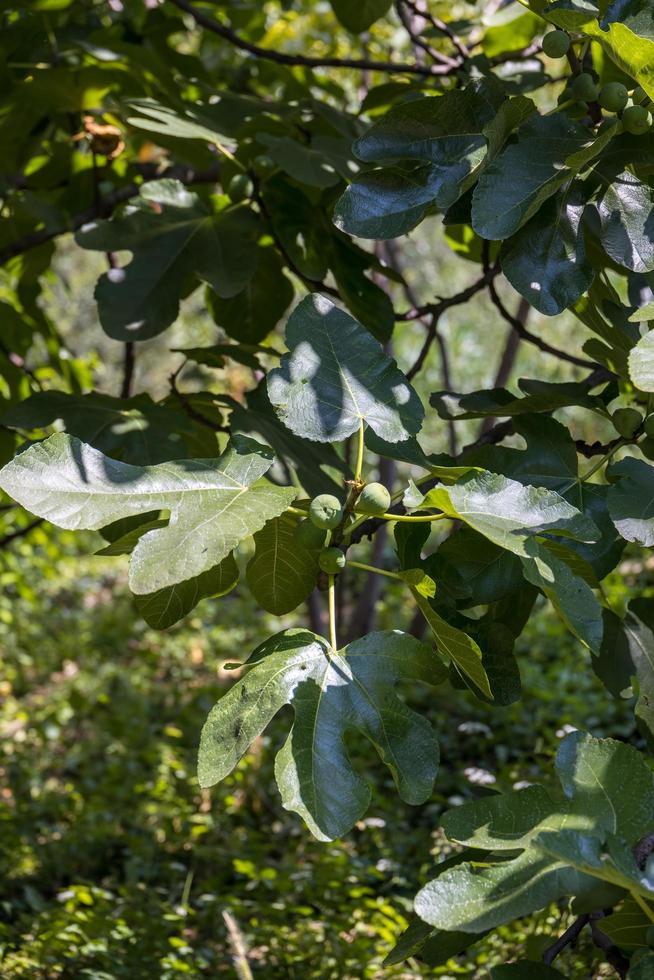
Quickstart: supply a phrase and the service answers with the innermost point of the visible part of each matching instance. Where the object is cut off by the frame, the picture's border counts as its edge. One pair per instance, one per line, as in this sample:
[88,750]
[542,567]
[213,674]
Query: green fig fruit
[584,87]
[374,499]
[556,44]
[331,560]
[636,119]
[240,188]
[613,96]
[325,511]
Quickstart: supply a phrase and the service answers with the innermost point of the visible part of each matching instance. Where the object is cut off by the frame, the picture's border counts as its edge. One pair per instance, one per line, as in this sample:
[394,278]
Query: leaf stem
[360,447]
[647,909]
[331,597]
[605,458]
[414,518]
[560,107]
[296,510]
[374,570]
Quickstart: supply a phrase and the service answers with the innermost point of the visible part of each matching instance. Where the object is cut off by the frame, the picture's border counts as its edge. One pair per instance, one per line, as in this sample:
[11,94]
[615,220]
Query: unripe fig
[373,499]
[263,164]
[240,188]
[626,421]
[556,44]
[325,511]
[613,96]
[309,536]
[636,119]
[584,87]
[331,560]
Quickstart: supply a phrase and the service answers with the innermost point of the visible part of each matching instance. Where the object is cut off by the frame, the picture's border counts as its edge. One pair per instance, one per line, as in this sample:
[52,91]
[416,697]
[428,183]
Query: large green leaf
[389,203]
[540,396]
[136,430]
[510,514]
[631,501]
[337,376]
[546,260]
[626,212]
[627,926]
[445,134]
[252,313]
[167,606]
[453,644]
[281,573]
[638,628]
[331,692]
[176,241]
[596,776]
[214,503]
[641,363]
[358,17]
[475,897]
[505,511]
[319,468]
[608,791]
[548,152]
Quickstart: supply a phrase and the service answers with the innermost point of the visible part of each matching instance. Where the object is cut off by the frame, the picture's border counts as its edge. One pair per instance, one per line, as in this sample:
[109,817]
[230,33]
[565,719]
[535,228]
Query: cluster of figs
[326,513]
[632,106]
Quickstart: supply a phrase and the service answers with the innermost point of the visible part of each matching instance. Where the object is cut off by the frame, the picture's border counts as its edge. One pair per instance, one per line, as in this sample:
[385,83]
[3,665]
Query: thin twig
[304,61]
[507,360]
[21,533]
[436,310]
[440,26]
[568,938]
[192,413]
[103,208]
[402,9]
[520,328]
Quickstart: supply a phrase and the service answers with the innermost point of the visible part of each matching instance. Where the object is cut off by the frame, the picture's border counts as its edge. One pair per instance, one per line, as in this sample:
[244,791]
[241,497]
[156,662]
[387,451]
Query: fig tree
[331,560]
[373,499]
[325,511]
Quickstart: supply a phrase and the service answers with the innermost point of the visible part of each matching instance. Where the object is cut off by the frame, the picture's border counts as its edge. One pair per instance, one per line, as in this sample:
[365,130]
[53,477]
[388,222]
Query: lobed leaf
[214,504]
[331,692]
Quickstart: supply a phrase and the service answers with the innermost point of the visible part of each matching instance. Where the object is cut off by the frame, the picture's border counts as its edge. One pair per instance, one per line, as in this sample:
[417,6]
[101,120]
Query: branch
[613,955]
[188,408]
[507,359]
[568,938]
[520,328]
[402,7]
[21,533]
[440,26]
[103,208]
[436,310]
[297,60]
